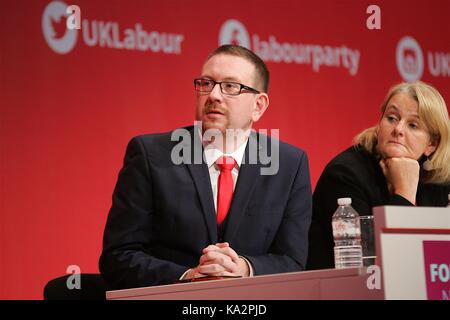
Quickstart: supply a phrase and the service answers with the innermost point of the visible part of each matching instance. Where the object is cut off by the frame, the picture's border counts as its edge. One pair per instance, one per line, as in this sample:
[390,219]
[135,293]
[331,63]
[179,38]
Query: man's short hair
[262,73]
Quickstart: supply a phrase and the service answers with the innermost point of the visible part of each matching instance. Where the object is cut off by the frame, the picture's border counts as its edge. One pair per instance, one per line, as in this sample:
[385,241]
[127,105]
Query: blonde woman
[403,160]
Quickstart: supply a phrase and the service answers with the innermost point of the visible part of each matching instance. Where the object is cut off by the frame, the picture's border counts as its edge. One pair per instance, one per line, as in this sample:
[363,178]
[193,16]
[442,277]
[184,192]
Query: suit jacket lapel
[200,175]
[248,176]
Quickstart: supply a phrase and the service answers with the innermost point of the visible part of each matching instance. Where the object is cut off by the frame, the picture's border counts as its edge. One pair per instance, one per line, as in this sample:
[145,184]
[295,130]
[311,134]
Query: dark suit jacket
[356,174]
[163,214]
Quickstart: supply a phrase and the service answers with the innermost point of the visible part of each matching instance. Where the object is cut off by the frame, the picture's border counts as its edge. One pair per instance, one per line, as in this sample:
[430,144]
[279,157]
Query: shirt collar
[211,153]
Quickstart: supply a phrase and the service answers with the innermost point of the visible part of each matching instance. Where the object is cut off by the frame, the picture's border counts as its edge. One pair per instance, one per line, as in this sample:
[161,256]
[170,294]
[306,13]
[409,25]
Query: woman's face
[400,131]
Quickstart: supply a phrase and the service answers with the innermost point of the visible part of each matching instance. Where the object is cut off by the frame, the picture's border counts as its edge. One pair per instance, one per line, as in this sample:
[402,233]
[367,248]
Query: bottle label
[343,229]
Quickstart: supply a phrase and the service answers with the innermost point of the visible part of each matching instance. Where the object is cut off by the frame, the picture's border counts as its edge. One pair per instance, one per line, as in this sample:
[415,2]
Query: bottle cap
[344,201]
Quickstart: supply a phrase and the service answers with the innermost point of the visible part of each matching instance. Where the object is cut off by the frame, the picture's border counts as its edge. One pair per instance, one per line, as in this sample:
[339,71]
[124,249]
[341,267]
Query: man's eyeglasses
[227,87]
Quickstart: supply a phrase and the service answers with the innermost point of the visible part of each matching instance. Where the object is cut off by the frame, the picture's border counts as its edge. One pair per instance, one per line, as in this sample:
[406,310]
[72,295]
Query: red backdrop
[70,101]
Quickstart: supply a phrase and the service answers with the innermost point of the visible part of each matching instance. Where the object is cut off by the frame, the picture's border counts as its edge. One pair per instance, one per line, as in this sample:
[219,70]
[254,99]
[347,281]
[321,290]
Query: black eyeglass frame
[241,86]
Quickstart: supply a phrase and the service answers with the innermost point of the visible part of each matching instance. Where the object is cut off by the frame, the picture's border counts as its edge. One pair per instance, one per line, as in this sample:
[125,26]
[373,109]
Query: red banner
[72,98]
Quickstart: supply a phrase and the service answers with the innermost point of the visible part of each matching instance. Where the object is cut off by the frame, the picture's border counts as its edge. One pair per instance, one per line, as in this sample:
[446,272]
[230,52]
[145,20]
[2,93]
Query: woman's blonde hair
[434,115]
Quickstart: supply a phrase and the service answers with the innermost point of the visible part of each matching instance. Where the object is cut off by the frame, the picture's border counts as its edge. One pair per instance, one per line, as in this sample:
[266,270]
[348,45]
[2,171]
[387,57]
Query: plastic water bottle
[347,236]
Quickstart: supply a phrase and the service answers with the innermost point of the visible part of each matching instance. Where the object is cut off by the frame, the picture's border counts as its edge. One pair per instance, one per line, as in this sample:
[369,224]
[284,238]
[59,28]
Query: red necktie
[225,190]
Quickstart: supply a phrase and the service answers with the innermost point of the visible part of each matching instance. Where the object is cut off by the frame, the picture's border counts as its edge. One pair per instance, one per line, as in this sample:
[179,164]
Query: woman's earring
[427,165]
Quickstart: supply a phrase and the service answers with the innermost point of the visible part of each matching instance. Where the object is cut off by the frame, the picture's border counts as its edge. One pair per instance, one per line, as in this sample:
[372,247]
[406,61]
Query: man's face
[220,111]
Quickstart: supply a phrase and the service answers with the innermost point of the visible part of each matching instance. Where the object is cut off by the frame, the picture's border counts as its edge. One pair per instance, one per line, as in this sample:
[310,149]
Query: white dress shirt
[211,156]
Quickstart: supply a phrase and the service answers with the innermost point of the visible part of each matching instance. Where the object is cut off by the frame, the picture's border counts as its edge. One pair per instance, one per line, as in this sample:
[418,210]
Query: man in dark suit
[179,212]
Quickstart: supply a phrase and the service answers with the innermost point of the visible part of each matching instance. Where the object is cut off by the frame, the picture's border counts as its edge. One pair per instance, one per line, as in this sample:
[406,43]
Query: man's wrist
[247,266]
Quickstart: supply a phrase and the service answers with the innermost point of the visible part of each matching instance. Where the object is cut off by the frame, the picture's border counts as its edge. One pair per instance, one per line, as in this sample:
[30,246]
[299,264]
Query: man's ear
[261,105]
